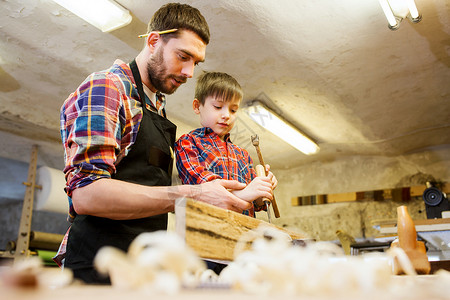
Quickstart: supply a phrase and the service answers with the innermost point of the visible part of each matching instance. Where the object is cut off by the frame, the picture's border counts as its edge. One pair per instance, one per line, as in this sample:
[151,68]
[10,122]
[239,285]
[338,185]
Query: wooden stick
[255,142]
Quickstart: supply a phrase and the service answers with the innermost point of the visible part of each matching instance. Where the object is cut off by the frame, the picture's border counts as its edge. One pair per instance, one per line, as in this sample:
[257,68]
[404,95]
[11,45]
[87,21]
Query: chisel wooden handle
[261,171]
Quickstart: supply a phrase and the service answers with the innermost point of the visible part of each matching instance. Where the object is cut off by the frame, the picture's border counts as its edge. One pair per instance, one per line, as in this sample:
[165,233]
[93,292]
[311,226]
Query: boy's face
[217,114]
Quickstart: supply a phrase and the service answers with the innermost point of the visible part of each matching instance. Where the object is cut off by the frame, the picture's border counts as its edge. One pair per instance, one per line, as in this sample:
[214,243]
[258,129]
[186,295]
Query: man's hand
[216,193]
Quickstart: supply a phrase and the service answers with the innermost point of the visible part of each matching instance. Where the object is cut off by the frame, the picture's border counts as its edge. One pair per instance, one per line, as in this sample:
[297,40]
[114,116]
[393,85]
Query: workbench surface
[407,289]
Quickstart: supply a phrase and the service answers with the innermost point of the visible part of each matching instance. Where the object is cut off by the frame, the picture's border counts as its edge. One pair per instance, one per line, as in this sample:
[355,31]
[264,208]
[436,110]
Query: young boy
[207,153]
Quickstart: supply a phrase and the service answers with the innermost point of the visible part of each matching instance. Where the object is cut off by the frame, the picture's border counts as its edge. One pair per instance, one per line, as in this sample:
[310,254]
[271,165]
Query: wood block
[363,195]
[306,200]
[378,195]
[213,232]
[416,191]
[321,199]
[401,194]
[341,197]
[417,257]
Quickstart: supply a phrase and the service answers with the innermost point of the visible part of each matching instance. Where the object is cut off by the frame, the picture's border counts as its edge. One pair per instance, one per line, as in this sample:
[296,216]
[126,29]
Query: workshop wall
[43,221]
[355,174]
[12,191]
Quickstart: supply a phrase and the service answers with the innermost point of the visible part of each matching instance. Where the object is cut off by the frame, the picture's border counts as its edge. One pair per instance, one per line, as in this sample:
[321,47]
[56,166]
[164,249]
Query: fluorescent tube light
[106,15]
[275,124]
[397,10]
[388,13]
[412,9]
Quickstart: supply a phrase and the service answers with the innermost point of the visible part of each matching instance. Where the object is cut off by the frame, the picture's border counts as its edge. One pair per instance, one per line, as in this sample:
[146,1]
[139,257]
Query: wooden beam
[213,232]
[403,194]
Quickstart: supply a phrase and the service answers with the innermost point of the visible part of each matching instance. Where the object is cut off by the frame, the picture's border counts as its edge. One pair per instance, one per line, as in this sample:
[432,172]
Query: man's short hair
[219,85]
[179,16]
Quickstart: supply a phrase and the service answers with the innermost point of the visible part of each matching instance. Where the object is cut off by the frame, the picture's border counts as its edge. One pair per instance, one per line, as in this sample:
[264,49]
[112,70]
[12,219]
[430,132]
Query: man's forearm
[115,199]
[119,200]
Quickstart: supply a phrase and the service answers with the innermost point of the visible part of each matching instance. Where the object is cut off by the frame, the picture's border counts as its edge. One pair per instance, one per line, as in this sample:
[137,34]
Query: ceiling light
[106,15]
[397,10]
[275,124]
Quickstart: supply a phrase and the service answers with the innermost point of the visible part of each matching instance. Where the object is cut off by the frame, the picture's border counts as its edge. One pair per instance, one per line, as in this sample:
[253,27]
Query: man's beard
[156,69]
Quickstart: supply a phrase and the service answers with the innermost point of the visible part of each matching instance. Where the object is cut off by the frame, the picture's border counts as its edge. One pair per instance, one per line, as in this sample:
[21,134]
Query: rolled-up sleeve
[93,123]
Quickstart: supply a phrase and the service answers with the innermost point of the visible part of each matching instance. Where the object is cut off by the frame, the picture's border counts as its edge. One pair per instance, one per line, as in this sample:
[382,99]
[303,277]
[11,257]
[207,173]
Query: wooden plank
[417,191]
[213,232]
[421,225]
[419,228]
[432,221]
[321,199]
[341,197]
[393,222]
[402,194]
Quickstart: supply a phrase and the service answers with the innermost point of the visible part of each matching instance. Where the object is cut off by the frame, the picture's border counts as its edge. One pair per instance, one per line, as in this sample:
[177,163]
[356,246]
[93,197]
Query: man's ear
[152,40]
[196,106]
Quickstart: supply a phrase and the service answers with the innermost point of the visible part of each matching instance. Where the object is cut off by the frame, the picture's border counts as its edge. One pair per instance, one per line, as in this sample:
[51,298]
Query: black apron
[149,162]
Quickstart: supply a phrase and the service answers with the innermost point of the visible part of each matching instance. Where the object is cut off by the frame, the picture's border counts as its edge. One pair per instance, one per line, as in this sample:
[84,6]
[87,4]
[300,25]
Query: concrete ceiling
[332,68]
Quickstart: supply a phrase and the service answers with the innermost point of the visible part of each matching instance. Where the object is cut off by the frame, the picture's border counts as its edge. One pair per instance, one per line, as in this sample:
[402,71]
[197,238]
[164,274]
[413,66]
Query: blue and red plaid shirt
[201,156]
[99,123]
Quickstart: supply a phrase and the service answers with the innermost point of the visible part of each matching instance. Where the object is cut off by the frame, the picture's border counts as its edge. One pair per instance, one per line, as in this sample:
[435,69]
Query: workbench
[412,289]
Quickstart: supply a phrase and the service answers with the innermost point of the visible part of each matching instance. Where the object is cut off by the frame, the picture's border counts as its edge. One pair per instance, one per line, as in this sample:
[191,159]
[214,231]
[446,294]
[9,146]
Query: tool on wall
[255,142]
[30,243]
[23,238]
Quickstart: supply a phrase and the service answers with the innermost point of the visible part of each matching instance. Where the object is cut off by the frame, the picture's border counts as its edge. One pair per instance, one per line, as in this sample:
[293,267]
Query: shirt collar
[150,94]
[205,131]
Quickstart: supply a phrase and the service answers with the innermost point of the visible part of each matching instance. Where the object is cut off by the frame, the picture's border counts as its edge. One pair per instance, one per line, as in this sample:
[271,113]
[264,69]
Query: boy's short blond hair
[217,84]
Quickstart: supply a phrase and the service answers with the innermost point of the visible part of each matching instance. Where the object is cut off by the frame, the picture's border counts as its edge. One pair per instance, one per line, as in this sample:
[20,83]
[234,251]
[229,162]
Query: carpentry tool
[255,142]
[260,172]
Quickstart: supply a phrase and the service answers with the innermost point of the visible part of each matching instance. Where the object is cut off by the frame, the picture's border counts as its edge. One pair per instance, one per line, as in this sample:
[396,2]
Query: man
[119,145]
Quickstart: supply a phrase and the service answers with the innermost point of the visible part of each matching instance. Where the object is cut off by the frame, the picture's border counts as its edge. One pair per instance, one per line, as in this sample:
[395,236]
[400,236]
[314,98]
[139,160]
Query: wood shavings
[30,273]
[156,261]
[274,266]
[161,262]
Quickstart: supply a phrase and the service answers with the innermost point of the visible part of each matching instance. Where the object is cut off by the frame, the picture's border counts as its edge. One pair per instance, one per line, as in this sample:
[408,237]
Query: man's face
[173,62]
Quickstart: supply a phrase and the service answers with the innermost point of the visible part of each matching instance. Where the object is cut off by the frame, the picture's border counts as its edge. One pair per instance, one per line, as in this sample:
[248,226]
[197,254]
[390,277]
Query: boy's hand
[272,177]
[257,188]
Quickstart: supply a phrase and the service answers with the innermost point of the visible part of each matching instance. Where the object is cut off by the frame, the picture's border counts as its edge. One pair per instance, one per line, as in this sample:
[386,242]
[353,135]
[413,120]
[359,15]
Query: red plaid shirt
[202,156]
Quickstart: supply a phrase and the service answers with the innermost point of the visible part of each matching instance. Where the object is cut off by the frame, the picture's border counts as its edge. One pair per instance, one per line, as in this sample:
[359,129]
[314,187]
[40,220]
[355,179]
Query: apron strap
[137,78]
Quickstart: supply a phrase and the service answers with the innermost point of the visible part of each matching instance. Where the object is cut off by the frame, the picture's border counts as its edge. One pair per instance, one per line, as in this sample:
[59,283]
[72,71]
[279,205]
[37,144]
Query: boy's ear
[196,106]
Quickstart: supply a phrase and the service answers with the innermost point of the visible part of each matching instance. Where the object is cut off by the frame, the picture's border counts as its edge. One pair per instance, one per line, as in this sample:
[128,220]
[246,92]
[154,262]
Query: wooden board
[213,232]
[421,225]
[402,194]
[341,197]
